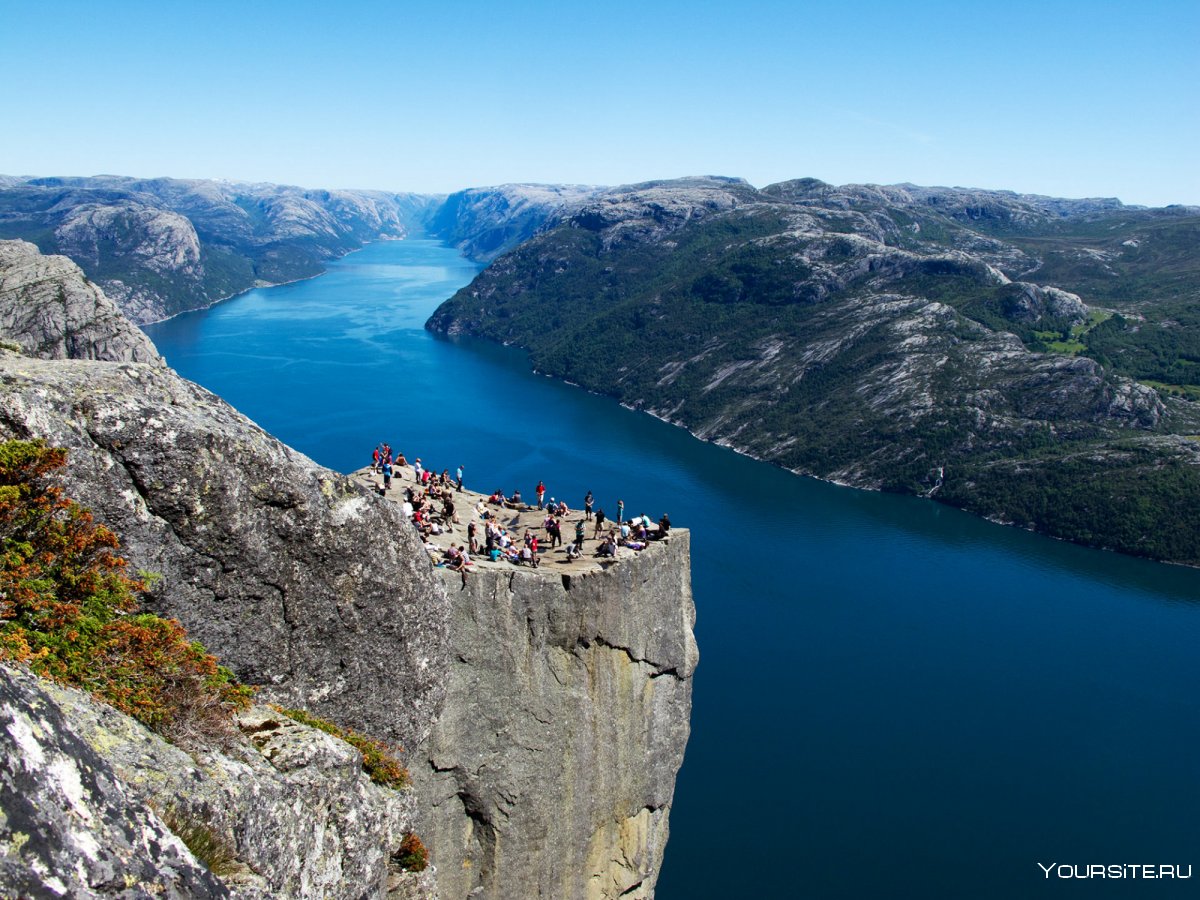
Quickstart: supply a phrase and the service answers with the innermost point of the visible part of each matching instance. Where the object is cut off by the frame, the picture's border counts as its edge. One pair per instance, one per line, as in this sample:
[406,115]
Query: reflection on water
[894,697]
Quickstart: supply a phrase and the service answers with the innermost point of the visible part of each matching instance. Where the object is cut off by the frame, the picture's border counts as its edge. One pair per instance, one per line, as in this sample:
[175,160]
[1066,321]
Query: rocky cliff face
[296,578]
[547,715]
[551,771]
[94,805]
[48,309]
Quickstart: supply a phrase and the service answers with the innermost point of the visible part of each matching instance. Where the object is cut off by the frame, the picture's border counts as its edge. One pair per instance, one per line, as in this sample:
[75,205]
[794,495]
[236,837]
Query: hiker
[458,475]
[587,506]
[541,492]
[579,536]
[387,477]
[599,523]
[620,511]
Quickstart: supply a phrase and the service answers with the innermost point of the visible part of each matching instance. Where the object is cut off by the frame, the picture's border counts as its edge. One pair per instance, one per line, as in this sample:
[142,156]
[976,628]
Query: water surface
[895,699]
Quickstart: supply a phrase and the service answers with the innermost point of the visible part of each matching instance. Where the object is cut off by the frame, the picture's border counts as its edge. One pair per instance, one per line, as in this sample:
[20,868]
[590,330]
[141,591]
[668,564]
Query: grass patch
[209,847]
[1186,391]
[379,759]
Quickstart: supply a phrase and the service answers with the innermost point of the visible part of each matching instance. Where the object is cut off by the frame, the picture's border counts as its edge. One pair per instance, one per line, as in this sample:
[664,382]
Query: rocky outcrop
[546,713]
[49,309]
[300,581]
[551,771]
[94,805]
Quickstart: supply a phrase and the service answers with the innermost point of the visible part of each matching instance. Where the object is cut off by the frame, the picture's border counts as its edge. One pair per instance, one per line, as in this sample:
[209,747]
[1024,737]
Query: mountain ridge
[876,337]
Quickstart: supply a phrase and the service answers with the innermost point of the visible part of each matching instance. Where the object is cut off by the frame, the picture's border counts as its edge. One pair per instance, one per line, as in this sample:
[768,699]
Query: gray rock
[550,773]
[298,580]
[68,825]
[286,813]
[49,308]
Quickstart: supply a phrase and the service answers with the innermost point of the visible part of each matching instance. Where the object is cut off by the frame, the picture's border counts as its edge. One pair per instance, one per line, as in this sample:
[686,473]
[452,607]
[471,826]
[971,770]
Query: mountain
[980,347]
[162,246]
[485,222]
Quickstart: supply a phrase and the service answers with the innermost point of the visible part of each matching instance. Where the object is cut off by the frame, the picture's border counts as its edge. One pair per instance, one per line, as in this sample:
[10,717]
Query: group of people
[429,504]
[382,462]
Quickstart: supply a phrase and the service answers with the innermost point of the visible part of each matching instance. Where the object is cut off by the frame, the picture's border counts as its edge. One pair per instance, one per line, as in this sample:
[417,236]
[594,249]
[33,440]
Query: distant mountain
[161,246]
[1022,357]
[485,222]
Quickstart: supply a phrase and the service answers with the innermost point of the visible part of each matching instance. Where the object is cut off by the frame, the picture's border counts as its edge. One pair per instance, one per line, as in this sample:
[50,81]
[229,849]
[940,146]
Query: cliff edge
[545,713]
[567,713]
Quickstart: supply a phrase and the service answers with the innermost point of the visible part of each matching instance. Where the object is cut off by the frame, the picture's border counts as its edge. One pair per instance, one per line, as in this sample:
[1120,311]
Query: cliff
[886,338]
[309,585]
[49,309]
[551,771]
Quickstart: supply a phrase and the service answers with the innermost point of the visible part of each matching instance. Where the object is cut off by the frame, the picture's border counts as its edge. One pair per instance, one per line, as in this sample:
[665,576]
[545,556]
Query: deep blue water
[894,699]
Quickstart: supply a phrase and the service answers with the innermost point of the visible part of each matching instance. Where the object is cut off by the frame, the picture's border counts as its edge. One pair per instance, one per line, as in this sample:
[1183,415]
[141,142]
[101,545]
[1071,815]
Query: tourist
[541,492]
[459,561]
[620,511]
[587,506]
[375,455]
[458,476]
[664,526]
[579,526]
[387,477]
[599,522]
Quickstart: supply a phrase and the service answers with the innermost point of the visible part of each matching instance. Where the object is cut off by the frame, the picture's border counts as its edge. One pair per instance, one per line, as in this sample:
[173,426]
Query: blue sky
[1063,98]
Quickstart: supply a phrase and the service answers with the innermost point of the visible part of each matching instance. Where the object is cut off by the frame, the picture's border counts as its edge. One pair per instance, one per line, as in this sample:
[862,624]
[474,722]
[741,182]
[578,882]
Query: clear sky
[1064,98]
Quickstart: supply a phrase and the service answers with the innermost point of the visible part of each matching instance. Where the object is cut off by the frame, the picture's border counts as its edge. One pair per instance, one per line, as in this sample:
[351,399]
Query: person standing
[599,522]
[458,476]
[620,511]
[587,506]
[579,536]
[375,459]
[387,477]
[541,492]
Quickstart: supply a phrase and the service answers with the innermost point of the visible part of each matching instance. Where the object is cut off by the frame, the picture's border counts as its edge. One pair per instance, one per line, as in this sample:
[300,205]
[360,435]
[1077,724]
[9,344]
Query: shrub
[379,759]
[411,855]
[68,610]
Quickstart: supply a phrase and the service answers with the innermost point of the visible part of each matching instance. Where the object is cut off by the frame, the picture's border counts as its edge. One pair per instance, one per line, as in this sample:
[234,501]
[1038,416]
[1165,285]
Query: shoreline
[991,519]
[274,284]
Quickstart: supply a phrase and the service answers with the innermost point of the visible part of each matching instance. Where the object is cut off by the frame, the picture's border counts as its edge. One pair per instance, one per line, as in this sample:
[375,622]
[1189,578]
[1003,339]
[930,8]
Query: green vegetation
[199,836]
[412,855]
[739,326]
[68,610]
[379,760]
